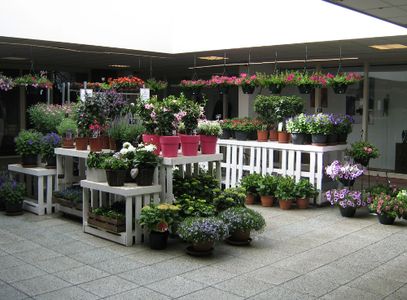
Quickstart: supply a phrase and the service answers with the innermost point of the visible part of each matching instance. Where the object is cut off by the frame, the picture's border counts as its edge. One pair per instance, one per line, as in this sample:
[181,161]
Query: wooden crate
[67,203]
[108,224]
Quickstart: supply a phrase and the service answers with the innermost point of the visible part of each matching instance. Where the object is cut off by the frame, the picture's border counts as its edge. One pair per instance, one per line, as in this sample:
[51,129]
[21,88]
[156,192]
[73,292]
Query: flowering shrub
[242,218]
[67,128]
[298,124]
[190,112]
[35,81]
[49,142]
[131,82]
[128,151]
[167,113]
[343,78]
[346,171]
[343,124]
[6,83]
[246,80]
[193,84]
[206,127]
[385,204]
[277,78]
[319,124]
[363,150]
[305,78]
[197,229]
[228,198]
[46,117]
[147,112]
[346,198]
[95,128]
[28,142]
[159,217]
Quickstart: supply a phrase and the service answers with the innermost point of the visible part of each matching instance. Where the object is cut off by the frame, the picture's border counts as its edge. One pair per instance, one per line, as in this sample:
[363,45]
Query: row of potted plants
[304,80]
[124,84]
[29,80]
[283,188]
[70,197]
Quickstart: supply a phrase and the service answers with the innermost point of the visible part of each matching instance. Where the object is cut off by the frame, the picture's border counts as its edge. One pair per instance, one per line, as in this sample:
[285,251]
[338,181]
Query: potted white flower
[209,131]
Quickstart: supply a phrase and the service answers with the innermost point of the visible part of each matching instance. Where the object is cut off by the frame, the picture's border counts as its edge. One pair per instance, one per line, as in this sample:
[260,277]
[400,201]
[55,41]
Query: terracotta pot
[152,139]
[169,145]
[249,199]
[273,136]
[240,235]
[208,144]
[283,137]
[302,203]
[68,143]
[262,135]
[95,144]
[105,142]
[203,246]
[266,201]
[189,144]
[285,204]
[81,143]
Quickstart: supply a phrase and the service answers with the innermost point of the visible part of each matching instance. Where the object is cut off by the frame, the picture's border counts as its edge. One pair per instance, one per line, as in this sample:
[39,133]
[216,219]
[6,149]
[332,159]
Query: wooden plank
[240,163]
[284,162]
[137,212]
[298,165]
[233,166]
[251,160]
[290,169]
[312,167]
[228,156]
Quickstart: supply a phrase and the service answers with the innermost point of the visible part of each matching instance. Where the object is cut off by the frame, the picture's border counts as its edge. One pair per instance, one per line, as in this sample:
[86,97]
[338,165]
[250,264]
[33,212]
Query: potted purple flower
[345,173]
[348,201]
[49,142]
[6,83]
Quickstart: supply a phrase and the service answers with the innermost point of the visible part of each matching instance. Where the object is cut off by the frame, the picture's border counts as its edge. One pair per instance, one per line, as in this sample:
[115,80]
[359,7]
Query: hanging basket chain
[306,58]
[275,63]
[340,60]
[194,74]
[224,64]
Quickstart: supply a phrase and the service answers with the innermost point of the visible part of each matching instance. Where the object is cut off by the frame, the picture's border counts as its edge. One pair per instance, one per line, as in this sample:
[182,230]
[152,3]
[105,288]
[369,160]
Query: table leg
[170,193]
[59,171]
[137,212]
[49,194]
[218,173]
[41,207]
[129,221]
[85,207]
[163,183]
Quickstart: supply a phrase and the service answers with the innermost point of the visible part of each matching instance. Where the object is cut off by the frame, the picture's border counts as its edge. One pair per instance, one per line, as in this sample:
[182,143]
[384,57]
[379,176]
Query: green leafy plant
[34,80]
[201,186]
[228,198]
[304,189]
[277,78]
[242,218]
[46,117]
[49,142]
[268,185]
[264,107]
[114,163]
[193,206]
[73,193]
[156,85]
[145,156]
[190,112]
[285,188]
[159,217]
[319,124]
[198,229]
[12,191]
[67,128]
[243,124]
[109,213]
[96,159]
[298,124]
[251,183]
[212,128]
[363,150]
[167,114]
[387,205]
[344,124]
[343,78]
[28,142]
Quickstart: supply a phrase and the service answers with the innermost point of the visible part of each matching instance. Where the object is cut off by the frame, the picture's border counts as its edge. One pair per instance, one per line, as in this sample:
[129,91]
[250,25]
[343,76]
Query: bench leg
[85,207]
[129,221]
[137,210]
[41,206]
[49,194]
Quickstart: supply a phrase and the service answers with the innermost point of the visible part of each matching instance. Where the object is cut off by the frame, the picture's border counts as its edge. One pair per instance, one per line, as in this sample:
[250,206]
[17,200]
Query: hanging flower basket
[340,88]
[275,88]
[248,89]
[305,88]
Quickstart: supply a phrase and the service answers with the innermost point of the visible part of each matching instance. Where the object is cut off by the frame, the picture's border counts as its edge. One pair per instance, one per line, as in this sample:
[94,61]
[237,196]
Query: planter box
[67,203]
[108,224]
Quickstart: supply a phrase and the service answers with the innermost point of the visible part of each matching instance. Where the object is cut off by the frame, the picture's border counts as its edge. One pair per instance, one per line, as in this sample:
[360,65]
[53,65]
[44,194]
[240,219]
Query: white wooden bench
[37,204]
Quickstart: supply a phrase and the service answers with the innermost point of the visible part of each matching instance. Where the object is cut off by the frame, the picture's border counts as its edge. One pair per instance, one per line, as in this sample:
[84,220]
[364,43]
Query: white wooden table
[259,157]
[188,165]
[135,197]
[44,180]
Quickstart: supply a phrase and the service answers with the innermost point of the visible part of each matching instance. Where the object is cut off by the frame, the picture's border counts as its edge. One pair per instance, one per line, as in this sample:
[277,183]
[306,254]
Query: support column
[243,104]
[318,105]
[225,106]
[365,116]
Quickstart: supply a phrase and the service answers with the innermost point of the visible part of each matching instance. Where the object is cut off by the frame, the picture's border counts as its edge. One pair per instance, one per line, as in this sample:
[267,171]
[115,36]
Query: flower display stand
[135,198]
[36,202]
[187,165]
[260,157]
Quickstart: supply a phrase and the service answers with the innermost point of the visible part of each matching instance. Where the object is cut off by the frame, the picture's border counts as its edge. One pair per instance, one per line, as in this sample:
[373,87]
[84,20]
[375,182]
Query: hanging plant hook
[248,64]
[340,60]
[224,63]
[306,58]
[194,74]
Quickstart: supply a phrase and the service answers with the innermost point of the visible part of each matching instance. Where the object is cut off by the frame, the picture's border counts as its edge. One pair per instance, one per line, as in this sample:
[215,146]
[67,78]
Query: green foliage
[363,150]
[48,144]
[298,124]
[304,189]
[388,205]
[114,163]
[242,218]
[159,217]
[167,114]
[46,117]
[96,159]
[277,78]
[67,127]
[109,213]
[121,130]
[319,124]
[244,124]
[268,185]
[28,142]
[251,183]
[285,188]
[145,156]
[12,192]
[156,85]
[193,206]
[206,127]
[229,198]
[201,186]
[191,112]
[264,107]
[196,230]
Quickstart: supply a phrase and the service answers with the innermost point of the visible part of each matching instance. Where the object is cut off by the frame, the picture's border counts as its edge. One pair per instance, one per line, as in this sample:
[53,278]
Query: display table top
[128,190]
[36,171]
[75,153]
[182,160]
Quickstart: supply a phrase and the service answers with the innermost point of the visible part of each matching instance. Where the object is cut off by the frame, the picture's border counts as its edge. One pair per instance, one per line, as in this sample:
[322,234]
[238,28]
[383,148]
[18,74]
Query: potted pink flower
[223,83]
[341,81]
[248,83]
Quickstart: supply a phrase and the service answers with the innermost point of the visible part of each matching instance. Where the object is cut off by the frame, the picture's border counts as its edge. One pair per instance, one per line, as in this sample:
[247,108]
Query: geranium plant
[242,219]
[246,80]
[95,129]
[206,127]
[346,171]
[312,79]
[346,198]
[6,83]
[130,82]
[387,205]
[197,230]
[343,78]
[159,217]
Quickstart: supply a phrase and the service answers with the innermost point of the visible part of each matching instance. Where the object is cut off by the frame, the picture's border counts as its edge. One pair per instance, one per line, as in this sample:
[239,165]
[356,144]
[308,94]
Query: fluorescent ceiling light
[212,57]
[14,58]
[119,66]
[388,46]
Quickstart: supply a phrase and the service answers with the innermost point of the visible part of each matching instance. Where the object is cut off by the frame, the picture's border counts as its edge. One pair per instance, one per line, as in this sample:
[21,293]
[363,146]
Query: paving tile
[176,286]
[8,261]
[69,293]
[281,293]
[7,238]
[57,264]
[123,250]
[336,275]
[40,285]
[144,275]
[311,284]
[238,265]
[19,246]
[118,265]
[94,256]
[244,286]
[81,274]
[140,293]
[376,285]
[346,293]
[211,293]
[9,292]
[273,275]
[37,254]
[72,248]
[400,294]
[148,257]
[208,275]
[108,286]
[20,272]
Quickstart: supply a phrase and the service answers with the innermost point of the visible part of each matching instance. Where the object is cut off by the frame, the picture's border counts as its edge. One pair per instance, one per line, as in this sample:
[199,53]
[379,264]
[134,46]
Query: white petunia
[124,151]
[127,145]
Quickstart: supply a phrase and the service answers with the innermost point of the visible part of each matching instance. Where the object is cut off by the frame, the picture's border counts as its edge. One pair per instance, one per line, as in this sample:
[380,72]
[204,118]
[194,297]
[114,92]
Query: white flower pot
[96,175]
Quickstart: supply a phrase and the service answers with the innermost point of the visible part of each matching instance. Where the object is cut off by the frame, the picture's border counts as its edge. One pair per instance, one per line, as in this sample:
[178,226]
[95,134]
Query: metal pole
[69,93]
[365,116]
[318,106]
[63,93]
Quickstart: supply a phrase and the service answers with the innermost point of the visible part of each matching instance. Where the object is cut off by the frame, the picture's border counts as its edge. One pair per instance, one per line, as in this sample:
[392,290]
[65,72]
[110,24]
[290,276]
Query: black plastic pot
[340,88]
[2,204]
[299,138]
[145,176]
[248,89]
[347,212]
[332,139]
[363,161]
[342,138]
[14,208]
[29,161]
[52,163]
[385,219]
[223,90]
[226,134]
[241,135]
[158,240]
[195,92]
[116,177]
[347,182]
[252,135]
[305,88]
[319,139]
[275,88]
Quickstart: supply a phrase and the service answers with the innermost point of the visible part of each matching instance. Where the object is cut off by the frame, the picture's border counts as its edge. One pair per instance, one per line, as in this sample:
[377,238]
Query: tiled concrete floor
[303,254]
